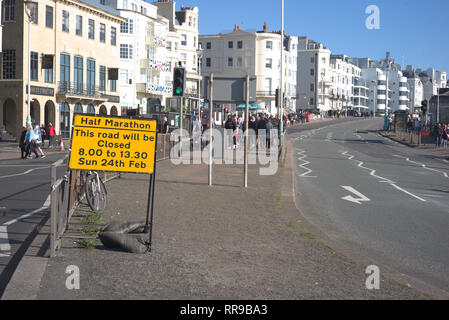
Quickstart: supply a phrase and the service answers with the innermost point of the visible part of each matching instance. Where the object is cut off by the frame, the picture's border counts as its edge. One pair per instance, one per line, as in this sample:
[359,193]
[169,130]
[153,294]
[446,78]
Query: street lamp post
[281,111]
[386,121]
[29,9]
[200,57]
[374,96]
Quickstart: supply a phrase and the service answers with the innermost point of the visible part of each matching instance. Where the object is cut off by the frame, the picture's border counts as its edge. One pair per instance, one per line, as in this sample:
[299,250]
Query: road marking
[5,247]
[382,179]
[424,166]
[329,136]
[23,173]
[44,207]
[308,171]
[361,198]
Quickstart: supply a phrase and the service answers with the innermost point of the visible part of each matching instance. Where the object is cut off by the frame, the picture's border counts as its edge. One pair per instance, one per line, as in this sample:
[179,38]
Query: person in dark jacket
[22,142]
[231,125]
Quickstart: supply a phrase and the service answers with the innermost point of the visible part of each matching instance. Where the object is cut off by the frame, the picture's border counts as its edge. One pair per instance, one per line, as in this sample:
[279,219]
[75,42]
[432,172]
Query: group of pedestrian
[32,140]
[441,135]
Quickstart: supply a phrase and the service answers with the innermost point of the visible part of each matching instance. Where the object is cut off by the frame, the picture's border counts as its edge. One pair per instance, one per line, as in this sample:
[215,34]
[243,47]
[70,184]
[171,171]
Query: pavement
[374,197]
[24,195]
[221,243]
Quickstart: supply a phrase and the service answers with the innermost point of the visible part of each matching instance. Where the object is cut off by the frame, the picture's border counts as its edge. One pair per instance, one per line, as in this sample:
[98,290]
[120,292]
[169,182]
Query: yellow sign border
[152,152]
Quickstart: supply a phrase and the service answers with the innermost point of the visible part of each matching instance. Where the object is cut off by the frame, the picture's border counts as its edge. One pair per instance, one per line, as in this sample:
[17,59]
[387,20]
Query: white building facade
[257,54]
[145,78]
[183,38]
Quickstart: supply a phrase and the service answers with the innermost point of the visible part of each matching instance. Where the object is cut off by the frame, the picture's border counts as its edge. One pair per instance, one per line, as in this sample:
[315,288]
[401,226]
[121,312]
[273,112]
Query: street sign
[113,144]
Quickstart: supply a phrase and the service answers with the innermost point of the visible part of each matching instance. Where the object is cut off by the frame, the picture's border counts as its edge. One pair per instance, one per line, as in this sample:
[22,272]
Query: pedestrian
[22,143]
[197,131]
[390,123]
[231,125]
[30,138]
[261,129]
[444,135]
[438,134]
[51,133]
[270,127]
[165,126]
[39,141]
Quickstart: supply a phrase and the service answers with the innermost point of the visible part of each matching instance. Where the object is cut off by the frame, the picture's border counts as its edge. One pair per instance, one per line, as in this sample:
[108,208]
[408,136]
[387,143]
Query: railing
[80,89]
[266,93]
[408,135]
[68,191]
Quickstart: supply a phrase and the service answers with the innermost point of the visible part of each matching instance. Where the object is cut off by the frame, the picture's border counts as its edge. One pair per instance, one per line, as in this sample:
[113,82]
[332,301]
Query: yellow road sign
[113,144]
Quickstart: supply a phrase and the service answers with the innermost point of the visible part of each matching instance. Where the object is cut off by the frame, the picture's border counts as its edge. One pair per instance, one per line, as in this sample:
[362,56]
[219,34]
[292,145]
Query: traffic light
[202,111]
[424,107]
[278,98]
[179,82]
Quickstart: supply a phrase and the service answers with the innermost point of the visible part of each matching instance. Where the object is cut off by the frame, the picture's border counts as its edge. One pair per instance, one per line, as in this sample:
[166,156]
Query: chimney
[235,27]
[265,27]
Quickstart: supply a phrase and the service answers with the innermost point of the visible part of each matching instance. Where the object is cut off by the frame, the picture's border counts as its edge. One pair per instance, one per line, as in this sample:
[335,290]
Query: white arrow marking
[4,243]
[361,198]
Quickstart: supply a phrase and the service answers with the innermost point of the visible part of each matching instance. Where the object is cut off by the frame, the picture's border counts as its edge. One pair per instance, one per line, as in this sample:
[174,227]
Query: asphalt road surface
[389,200]
[24,202]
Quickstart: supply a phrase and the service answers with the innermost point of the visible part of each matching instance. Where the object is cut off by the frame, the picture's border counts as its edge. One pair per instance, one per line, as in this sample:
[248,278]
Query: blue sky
[414,31]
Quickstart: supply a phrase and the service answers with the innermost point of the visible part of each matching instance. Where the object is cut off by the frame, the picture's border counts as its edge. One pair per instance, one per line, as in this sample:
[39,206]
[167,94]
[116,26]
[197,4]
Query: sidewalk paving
[221,242]
[427,144]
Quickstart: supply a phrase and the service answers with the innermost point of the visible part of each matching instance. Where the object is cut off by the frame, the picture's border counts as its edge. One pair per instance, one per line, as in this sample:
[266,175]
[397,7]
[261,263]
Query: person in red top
[51,133]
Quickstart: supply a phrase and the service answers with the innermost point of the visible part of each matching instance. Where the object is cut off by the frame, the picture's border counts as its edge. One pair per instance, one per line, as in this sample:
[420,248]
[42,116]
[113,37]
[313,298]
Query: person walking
[438,134]
[444,136]
[22,143]
[197,131]
[262,128]
[39,141]
[270,127]
[51,133]
[231,125]
[165,126]
[30,138]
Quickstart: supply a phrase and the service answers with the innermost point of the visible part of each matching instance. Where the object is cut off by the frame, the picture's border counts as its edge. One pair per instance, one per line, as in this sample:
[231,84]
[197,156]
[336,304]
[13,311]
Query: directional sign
[361,198]
[113,144]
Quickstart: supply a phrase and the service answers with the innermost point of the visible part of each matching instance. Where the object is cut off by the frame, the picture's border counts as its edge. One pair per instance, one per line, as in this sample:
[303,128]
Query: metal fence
[409,136]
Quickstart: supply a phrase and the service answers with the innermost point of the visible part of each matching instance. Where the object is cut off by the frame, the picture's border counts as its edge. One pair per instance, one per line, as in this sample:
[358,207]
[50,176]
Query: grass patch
[94,218]
[293,225]
[87,243]
[308,235]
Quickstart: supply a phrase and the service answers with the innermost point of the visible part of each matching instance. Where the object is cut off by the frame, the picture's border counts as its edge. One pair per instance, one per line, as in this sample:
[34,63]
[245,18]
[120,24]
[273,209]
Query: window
[208,45]
[230,44]
[125,4]
[65,21]
[90,109]
[102,72]
[240,44]
[268,84]
[133,7]
[65,71]
[49,17]
[113,36]
[312,60]
[230,62]
[34,65]
[208,62]
[169,45]
[90,80]
[9,10]
[312,87]
[126,51]
[79,25]
[91,31]
[113,85]
[78,74]
[124,77]
[78,108]
[184,40]
[102,32]
[239,62]
[48,75]
[9,64]
[103,2]
[269,45]
[184,57]
[312,72]
[127,27]
[268,63]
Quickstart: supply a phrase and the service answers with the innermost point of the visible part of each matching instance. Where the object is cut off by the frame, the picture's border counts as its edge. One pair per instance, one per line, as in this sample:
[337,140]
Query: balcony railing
[80,89]
[266,93]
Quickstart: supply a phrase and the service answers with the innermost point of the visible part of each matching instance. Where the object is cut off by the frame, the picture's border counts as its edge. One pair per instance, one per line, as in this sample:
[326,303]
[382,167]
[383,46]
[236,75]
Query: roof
[97,4]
